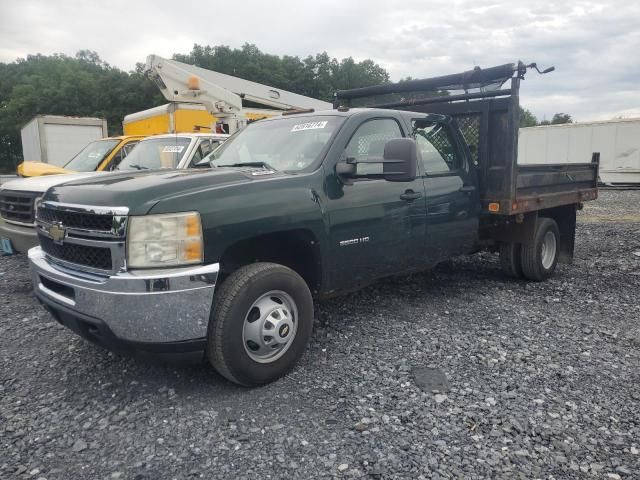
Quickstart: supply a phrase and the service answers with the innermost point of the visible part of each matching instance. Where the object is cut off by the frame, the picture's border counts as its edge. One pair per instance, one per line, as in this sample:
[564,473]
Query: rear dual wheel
[535,260]
[260,323]
[510,259]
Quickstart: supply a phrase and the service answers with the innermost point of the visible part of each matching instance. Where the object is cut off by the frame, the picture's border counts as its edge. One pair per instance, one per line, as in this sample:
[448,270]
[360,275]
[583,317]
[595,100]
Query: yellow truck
[178,117]
[169,118]
[100,155]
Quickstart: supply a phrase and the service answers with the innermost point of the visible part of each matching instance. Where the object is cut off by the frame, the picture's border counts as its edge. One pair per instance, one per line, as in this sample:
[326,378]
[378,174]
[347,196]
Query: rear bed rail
[547,186]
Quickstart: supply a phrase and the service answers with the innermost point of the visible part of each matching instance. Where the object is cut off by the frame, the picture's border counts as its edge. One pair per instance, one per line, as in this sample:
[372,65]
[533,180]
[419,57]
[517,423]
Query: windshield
[155,153]
[290,144]
[91,156]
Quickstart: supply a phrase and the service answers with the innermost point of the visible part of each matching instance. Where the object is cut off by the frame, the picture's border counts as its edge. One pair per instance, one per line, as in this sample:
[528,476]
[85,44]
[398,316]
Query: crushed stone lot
[543,382]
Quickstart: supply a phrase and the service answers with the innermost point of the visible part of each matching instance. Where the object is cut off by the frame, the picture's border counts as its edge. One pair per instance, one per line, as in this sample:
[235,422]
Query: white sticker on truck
[173,149]
[309,126]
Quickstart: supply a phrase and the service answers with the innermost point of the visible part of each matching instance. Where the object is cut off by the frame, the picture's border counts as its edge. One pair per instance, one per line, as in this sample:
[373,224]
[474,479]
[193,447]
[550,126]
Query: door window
[127,148]
[436,148]
[368,142]
[205,147]
[117,158]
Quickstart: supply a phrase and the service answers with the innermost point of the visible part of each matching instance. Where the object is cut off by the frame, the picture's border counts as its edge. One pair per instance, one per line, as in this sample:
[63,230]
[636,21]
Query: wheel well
[296,249]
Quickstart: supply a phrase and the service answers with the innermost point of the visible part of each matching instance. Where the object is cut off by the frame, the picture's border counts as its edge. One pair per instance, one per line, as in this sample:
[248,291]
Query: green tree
[315,76]
[527,119]
[560,118]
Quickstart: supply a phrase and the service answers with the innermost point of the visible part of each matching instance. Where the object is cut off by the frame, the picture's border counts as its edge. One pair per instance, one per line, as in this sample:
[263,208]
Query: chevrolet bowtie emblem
[57,233]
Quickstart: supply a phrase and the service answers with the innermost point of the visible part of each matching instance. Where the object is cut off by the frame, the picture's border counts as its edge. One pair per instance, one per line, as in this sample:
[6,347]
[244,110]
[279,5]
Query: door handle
[467,188]
[410,195]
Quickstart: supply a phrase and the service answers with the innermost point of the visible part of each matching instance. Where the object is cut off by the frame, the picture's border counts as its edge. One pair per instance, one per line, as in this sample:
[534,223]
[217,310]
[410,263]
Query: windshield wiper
[249,164]
[139,167]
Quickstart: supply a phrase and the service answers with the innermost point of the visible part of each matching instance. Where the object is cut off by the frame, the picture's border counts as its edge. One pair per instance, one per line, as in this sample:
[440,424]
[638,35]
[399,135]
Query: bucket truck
[227,98]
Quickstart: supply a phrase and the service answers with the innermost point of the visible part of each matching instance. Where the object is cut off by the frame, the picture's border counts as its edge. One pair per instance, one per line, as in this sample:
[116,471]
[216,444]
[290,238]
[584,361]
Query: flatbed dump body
[547,186]
[488,117]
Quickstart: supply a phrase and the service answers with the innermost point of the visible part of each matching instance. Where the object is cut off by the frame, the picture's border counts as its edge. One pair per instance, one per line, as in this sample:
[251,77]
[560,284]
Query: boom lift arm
[221,94]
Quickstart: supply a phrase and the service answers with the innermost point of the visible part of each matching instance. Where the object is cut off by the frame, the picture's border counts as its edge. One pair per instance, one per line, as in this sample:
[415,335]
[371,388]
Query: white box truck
[618,142]
[56,139]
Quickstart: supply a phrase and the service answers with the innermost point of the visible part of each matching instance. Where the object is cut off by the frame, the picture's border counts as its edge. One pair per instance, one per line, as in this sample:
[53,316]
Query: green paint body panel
[363,230]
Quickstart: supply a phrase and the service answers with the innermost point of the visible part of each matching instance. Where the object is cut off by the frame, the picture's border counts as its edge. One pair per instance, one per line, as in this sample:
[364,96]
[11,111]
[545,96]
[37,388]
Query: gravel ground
[542,381]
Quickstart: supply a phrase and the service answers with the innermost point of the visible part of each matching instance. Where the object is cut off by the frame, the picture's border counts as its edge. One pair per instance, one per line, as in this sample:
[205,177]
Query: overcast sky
[595,46]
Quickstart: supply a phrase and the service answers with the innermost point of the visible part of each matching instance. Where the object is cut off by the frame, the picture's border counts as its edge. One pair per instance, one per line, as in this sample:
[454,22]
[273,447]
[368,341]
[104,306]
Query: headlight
[164,240]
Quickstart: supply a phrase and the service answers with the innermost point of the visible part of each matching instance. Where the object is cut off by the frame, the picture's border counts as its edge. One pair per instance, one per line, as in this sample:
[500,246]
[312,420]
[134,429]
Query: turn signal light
[494,207]
[192,226]
[192,250]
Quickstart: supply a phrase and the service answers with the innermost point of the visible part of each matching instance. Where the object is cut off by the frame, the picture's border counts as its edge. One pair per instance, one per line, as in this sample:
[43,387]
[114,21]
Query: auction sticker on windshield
[173,149]
[309,126]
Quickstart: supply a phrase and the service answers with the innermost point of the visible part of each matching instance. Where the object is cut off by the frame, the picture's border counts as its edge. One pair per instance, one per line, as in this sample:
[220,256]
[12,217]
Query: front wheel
[260,323]
[540,256]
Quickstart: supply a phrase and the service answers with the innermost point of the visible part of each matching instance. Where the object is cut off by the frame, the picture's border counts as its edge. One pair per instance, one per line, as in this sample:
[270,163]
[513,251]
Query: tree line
[528,119]
[85,85]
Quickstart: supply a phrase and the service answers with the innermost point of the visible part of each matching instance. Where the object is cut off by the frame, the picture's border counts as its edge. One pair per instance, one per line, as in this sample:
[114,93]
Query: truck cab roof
[348,112]
[360,113]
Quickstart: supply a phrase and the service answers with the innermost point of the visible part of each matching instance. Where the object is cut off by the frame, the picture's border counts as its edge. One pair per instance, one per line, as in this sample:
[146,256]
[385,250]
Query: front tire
[540,256]
[260,324]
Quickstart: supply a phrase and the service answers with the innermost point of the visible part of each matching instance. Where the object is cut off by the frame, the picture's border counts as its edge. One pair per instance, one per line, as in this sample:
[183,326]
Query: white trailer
[56,139]
[618,142]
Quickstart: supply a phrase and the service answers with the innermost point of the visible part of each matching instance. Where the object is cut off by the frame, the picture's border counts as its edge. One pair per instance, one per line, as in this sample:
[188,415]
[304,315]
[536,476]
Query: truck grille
[88,239]
[93,257]
[17,206]
[81,221]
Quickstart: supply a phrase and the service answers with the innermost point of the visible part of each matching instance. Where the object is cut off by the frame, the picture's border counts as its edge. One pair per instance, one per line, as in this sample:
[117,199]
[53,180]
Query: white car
[18,197]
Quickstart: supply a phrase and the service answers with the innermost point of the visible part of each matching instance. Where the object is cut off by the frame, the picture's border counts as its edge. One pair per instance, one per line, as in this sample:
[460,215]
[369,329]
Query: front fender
[236,212]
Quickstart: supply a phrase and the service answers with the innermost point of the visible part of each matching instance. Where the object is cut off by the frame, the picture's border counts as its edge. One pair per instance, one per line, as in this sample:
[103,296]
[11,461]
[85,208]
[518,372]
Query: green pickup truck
[225,261]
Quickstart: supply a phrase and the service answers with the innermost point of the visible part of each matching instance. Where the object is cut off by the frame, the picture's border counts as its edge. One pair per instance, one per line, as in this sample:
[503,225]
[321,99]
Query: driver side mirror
[399,162]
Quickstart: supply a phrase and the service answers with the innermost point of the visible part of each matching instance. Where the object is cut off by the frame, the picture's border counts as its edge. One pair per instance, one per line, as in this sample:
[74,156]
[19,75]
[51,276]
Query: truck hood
[37,169]
[140,191]
[42,184]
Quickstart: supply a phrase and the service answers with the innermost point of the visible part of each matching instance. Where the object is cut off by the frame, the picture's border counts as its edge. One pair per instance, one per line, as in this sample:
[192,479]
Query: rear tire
[540,256]
[260,324]
[510,259]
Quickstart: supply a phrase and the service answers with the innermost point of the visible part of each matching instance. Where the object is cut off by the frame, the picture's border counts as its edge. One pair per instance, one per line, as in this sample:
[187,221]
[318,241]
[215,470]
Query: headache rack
[488,116]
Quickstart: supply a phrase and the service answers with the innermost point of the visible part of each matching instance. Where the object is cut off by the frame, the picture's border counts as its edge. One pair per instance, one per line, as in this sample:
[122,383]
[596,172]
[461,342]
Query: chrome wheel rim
[270,326]
[548,253]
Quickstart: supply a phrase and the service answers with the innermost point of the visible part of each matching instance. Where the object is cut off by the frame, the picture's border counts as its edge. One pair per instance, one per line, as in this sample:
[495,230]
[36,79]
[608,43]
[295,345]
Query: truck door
[376,226]
[451,191]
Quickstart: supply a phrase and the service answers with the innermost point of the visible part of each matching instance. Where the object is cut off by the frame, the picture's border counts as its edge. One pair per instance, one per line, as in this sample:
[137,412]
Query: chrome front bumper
[144,306]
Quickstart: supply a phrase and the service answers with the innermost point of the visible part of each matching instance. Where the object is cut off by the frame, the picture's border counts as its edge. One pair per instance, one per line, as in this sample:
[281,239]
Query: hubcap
[548,253]
[270,326]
